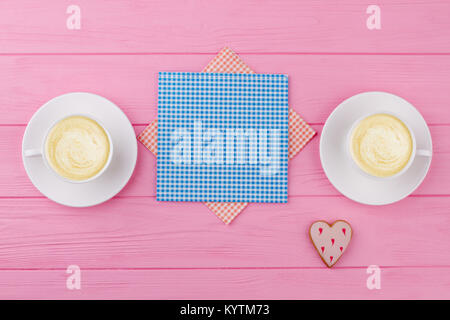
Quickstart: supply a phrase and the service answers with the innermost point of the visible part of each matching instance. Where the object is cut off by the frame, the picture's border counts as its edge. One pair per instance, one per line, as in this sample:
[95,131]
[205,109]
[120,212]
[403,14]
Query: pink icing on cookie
[330,241]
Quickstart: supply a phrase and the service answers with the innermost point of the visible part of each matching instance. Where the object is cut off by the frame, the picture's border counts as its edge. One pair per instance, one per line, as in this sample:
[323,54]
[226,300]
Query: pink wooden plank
[205,26]
[396,283]
[318,83]
[306,176]
[142,233]
[266,252]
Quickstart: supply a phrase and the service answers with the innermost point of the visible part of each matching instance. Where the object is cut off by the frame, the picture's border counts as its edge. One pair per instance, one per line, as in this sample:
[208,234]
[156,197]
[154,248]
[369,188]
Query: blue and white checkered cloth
[222,137]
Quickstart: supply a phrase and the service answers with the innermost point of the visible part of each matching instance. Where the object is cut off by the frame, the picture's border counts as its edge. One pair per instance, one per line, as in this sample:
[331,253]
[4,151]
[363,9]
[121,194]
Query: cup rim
[411,132]
[98,174]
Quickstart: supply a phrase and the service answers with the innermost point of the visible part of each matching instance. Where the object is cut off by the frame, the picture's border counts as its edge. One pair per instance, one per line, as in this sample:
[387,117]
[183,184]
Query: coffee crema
[77,148]
[381,145]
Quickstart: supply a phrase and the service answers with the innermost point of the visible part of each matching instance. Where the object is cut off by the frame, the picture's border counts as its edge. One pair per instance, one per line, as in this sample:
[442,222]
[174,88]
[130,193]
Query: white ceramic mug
[415,152]
[40,152]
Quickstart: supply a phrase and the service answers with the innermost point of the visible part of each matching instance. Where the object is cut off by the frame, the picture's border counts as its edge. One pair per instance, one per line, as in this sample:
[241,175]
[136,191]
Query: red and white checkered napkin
[299,131]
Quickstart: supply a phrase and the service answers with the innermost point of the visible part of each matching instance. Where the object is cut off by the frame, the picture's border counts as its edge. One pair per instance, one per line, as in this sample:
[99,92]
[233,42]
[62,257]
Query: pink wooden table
[135,247]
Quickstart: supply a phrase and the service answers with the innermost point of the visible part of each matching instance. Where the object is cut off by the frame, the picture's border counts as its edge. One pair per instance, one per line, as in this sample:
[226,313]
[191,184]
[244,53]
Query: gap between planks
[230,268]
[213,53]
[146,124]
[293,196]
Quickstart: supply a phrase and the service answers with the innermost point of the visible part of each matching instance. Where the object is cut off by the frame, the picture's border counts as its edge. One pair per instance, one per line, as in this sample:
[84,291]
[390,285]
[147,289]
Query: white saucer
[338,167]
[116,175]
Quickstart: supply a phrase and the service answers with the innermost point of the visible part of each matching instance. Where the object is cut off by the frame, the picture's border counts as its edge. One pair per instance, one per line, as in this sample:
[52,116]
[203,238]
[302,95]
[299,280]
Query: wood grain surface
[204,26]
[135,247]
[317,83]
[321,283]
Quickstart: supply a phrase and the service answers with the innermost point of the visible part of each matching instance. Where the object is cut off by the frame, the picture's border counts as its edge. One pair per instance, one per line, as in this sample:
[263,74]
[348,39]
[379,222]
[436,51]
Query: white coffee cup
[40,151]
[415,151]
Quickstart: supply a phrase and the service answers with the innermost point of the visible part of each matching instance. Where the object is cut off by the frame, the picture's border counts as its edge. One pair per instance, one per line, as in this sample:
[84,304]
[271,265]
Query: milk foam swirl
[77,148]
[381,145]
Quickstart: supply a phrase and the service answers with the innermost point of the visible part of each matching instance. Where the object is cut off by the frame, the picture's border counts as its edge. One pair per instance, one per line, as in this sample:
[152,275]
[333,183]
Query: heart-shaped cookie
[330,240]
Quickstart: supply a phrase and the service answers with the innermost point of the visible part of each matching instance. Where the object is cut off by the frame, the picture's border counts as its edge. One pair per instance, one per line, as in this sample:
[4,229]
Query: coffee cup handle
[423,152]
[32,153]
